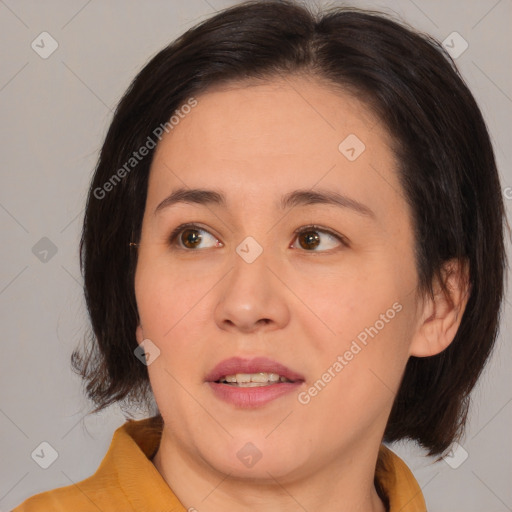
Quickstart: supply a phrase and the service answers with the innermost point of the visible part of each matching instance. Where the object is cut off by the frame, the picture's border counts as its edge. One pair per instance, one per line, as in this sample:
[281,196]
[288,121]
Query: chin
[258,458]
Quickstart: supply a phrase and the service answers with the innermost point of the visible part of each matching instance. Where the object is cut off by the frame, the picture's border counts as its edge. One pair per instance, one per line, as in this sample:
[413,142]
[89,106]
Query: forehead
[268,138]
[283,118]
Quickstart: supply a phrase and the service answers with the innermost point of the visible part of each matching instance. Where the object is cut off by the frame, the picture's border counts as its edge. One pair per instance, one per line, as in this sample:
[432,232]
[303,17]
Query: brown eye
[311,237]
[190,236]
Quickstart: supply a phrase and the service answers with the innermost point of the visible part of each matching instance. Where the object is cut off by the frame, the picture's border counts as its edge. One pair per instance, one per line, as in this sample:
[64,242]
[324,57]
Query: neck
[345,483]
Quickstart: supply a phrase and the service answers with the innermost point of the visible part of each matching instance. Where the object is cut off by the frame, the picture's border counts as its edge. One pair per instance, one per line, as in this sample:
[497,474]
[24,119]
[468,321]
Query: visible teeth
[260,377]
[253,379]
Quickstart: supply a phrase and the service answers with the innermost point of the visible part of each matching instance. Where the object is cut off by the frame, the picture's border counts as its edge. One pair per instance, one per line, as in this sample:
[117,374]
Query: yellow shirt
[127,480]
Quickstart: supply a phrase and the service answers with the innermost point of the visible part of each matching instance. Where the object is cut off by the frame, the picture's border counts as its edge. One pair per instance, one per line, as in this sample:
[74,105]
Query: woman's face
[332,308]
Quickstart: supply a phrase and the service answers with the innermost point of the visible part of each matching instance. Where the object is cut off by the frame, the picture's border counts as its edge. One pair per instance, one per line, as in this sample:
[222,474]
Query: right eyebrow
[192,196]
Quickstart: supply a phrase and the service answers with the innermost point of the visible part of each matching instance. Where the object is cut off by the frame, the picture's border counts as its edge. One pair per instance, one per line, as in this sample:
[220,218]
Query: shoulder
[91,494]
[126,480]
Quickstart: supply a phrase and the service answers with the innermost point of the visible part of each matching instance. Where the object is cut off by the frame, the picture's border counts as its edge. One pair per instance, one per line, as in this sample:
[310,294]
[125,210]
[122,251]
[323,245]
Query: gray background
[55,113]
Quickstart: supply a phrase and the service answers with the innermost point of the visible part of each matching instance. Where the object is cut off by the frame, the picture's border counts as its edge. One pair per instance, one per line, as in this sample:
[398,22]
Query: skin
[256,143]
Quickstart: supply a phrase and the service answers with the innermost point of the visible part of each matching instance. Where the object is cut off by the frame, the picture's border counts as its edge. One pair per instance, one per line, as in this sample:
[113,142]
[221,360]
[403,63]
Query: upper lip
[235,365]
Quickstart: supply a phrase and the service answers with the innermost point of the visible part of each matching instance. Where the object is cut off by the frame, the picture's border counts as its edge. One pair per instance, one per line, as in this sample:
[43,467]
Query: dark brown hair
[447,171]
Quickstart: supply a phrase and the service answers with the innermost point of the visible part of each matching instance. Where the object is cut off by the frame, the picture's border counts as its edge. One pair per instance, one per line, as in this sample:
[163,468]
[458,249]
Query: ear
[441,315]
[139,334]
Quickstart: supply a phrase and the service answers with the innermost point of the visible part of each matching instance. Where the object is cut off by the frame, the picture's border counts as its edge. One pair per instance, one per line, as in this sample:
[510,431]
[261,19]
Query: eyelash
[312,227]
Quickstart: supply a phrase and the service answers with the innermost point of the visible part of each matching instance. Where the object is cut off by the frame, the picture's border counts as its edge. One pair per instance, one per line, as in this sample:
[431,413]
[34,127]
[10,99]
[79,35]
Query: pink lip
[254,396]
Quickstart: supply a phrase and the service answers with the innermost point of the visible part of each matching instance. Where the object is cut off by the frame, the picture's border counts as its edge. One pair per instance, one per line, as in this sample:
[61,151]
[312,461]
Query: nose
[253,298]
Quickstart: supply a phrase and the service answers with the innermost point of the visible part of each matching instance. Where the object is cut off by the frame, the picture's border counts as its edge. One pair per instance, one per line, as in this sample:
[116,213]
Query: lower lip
[252,397]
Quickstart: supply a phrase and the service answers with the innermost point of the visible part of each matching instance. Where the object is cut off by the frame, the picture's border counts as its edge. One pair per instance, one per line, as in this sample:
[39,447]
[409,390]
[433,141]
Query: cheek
[168,304]
[174,312]
[167,297]
[365,331]
[353,388]
[347,300]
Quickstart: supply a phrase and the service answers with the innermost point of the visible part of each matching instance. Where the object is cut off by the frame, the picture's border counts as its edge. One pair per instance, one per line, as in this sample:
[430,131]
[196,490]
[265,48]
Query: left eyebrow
[329,197]
[292,199]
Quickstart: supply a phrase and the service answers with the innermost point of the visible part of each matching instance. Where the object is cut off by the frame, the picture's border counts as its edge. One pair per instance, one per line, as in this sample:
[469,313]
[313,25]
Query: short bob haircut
[446,168]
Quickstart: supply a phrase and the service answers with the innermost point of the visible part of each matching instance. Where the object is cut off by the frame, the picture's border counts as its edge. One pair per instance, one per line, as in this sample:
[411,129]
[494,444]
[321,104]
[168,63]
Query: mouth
[255,372]
[249,383]
[252,380]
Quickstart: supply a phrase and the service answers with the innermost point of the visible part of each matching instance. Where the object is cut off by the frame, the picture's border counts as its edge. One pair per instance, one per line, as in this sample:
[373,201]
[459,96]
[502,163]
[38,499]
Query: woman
[294,241]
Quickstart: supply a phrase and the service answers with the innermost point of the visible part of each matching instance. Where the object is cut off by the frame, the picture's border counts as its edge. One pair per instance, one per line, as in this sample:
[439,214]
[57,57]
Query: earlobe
[442,314]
